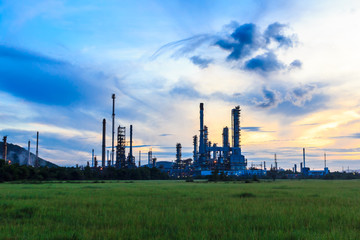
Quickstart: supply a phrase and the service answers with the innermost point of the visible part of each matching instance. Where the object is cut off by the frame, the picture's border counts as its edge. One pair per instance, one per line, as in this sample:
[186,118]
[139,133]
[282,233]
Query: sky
[292,66]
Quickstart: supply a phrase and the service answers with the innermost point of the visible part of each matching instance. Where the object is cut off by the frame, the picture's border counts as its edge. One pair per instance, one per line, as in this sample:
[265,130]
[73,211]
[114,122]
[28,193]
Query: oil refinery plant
[207,157]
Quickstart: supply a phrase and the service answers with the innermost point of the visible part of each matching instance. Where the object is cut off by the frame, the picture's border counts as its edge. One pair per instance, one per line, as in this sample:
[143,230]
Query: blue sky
[291,65]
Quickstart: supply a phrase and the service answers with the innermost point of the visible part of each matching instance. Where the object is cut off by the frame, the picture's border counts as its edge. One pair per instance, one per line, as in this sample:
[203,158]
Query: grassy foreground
[307,209]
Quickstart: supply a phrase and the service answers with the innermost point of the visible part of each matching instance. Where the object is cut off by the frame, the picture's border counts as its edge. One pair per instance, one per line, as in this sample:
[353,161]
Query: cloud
[355,135]
[254,129]
[302,94]
[275,32]
[39,78]
[267,62]
[23,55]
[270,98]
[295,64]
[289,108]
[185,46]
[165,134]
[242,42]
[247,45]
[201,62]
[185,89]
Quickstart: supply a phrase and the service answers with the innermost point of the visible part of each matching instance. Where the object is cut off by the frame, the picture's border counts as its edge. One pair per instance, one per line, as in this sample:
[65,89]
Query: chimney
[5,148]
[29,162]
[113,130]
[103,144]
[131,152]
[37,163]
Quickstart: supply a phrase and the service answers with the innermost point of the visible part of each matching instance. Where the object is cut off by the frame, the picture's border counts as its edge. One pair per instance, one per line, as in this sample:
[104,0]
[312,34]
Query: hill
[17,154]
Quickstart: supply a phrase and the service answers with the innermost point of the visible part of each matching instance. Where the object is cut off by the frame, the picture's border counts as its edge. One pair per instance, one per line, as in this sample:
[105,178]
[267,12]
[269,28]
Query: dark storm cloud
[355,135]
[185,90]
[302,94]
[165,134]
[296,64]
[251,129]
[267,62]
[254,129]
[275,32]
[38,78]
[270,99]
[289,108]
[185,46]
[15,54]
[201,62]
[244,43]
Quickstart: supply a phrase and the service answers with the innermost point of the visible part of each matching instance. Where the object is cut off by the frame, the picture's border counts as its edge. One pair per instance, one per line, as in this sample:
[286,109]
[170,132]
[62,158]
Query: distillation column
[237,161]
[195,153]
[120,148]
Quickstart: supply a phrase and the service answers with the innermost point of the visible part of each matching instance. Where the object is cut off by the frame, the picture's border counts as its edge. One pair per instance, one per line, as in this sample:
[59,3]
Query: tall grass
[309,209]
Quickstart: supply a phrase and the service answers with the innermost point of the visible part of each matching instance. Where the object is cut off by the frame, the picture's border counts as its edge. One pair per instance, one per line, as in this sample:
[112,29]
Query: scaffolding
[120,148]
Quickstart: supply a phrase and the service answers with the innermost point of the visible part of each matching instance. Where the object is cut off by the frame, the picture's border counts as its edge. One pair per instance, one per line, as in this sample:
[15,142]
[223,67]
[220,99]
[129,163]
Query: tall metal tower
[120,148]
[131,157]
[5,148]
[37,163]
[29,162]
[103,144]
[113,130]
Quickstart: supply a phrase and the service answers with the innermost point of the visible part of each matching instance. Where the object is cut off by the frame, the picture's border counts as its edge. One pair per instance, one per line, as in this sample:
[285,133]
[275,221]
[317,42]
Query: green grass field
[307,209]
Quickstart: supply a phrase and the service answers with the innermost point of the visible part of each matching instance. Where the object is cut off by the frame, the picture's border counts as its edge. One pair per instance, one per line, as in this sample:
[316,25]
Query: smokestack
[295,168]
[275,162]
[301,167]
[303,157]
[96,162]
[37,164]
[29,162]
[113,129]
[92,159]
[202,143]
[5,148]
[103,144]
[131,153]
[264,166]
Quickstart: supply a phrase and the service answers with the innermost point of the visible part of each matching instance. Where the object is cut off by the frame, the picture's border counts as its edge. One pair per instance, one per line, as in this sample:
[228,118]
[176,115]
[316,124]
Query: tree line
[15,172]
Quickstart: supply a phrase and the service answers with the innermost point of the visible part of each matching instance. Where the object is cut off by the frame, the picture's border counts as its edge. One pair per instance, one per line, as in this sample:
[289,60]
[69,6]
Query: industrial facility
[207,157]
